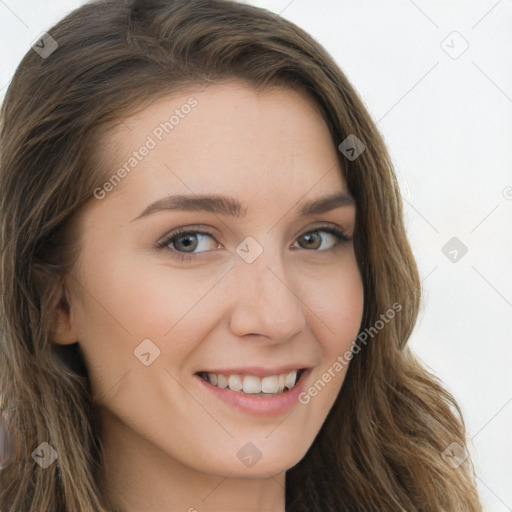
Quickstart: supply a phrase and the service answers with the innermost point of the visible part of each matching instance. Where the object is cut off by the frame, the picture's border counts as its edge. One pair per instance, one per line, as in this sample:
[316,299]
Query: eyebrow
[226,205]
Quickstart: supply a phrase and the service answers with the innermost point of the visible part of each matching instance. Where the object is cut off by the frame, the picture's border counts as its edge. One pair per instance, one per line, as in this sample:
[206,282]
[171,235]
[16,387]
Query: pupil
[310,238]
[189,241]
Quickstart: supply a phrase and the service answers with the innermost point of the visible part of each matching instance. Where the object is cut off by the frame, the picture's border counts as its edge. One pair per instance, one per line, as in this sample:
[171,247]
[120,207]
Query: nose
[265,302]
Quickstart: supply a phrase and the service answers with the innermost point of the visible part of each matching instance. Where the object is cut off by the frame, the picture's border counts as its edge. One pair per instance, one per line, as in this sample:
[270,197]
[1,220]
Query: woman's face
[248,294]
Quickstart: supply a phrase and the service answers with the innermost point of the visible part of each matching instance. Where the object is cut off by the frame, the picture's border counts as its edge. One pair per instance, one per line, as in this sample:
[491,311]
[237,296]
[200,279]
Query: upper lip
[258,371]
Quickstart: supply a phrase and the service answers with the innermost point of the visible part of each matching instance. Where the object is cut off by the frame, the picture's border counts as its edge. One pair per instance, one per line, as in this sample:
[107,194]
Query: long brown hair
[381,445]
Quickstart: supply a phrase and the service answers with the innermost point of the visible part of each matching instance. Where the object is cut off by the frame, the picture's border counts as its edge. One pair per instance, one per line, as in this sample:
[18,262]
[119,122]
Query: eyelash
[163,244]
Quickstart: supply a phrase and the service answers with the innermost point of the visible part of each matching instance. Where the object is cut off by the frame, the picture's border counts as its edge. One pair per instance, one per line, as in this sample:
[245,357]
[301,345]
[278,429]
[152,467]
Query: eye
[184,243]
[187,242]
[313,239]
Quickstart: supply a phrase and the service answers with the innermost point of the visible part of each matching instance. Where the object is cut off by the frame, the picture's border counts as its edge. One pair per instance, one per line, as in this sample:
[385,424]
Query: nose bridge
[266,302]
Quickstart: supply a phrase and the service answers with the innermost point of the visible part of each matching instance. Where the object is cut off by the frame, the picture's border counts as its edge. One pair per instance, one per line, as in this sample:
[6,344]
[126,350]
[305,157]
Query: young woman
[207,288]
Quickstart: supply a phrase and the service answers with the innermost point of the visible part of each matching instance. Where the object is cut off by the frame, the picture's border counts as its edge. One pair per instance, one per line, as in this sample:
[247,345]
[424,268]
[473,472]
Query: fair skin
[171,441]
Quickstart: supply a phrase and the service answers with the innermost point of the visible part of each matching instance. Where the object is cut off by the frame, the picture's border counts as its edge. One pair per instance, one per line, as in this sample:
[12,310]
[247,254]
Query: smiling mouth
[270,385]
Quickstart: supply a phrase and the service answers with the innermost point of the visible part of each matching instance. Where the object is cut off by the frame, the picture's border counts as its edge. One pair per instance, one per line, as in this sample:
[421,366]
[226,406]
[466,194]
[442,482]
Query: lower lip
[264,406]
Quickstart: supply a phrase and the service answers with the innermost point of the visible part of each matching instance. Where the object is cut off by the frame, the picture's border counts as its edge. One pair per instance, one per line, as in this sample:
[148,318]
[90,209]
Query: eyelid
[331,228]
[166,239]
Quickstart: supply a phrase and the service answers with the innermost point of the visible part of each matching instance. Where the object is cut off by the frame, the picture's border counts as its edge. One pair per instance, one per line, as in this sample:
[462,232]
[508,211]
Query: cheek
[138,296]
[337,301]
[125,301]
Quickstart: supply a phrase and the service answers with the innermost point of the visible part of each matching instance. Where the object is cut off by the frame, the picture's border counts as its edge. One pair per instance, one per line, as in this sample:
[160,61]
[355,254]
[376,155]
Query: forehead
[224,138]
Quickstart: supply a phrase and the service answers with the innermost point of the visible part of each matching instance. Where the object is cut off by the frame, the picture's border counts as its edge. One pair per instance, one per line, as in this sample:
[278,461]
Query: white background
[448,125]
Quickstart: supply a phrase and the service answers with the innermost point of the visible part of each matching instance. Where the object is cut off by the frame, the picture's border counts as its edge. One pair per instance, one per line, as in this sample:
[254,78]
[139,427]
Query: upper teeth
[272,384]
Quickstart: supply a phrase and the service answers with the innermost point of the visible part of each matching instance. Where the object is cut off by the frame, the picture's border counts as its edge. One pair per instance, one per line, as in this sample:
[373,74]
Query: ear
[63,332]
